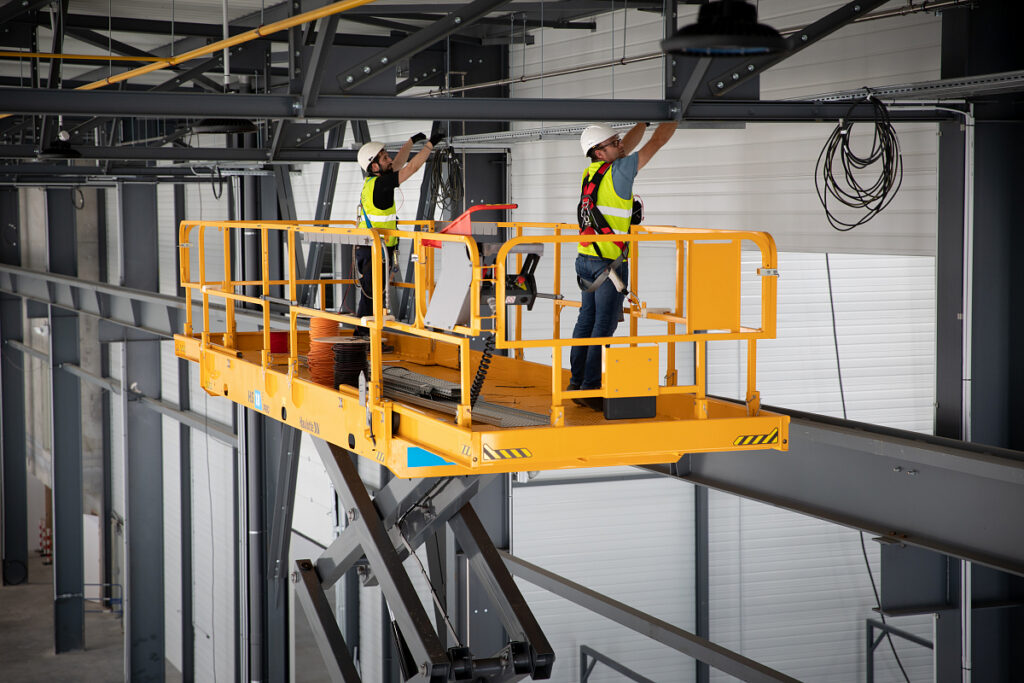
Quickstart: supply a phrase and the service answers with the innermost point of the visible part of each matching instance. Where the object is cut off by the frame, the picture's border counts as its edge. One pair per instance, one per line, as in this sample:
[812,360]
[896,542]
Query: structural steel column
[13,476]
[144,526]
[702,575]
[66,436]
[185,464]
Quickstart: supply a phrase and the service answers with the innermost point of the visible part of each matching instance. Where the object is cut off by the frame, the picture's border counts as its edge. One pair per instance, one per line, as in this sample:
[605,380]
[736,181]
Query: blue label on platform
[417,457]
[257,401]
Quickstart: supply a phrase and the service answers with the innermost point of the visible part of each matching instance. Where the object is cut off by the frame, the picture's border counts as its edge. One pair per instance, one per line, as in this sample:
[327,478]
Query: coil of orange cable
[321,357]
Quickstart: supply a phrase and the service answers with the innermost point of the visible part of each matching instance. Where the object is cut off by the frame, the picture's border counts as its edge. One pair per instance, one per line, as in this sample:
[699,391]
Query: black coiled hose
[481,370]
[847,188]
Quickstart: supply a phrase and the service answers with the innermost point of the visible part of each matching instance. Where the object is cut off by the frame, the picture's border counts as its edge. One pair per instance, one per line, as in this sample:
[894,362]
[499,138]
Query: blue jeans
[599,316]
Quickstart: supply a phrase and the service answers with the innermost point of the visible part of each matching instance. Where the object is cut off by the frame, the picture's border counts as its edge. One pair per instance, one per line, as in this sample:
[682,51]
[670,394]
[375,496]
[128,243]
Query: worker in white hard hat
[377,211]
[606,207]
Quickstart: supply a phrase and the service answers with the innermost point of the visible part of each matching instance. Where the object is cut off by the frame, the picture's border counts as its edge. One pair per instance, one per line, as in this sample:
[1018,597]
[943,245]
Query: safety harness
[593,222]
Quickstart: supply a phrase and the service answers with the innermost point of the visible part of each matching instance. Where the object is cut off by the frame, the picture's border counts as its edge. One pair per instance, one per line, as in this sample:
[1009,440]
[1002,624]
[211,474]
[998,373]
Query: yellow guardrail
[706,301]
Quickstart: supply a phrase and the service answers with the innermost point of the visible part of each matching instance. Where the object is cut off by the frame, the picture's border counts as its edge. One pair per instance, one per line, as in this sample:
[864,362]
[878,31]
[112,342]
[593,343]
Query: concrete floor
[26,635]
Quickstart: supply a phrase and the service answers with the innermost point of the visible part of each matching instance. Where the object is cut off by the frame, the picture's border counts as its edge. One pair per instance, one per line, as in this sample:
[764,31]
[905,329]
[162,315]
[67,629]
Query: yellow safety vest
[618,211]
[380,219]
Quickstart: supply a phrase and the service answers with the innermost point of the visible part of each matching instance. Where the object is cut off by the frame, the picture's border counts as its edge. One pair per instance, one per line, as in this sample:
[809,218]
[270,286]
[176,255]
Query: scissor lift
[415,414]
[431,407]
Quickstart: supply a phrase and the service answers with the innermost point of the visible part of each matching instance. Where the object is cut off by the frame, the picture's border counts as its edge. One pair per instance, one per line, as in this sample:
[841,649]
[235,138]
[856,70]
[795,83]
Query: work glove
[436,138]
[419,137]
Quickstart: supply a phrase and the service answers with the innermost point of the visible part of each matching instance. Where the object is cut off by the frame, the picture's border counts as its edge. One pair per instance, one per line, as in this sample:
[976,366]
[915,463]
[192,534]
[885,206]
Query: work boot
[582,402]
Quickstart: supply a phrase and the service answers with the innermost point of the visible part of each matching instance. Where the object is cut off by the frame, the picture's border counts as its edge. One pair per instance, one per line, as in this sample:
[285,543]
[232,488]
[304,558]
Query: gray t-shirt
[623,172]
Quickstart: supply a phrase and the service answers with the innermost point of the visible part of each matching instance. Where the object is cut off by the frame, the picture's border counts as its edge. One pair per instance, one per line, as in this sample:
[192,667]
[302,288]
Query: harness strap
[592,221]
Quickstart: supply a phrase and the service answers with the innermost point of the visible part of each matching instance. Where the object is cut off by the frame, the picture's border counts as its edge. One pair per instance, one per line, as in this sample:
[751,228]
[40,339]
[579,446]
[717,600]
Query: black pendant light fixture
[725,28]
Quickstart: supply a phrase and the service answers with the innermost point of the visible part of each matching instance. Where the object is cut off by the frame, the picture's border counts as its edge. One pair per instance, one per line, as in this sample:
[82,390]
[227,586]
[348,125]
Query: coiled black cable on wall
[847,189]
[446,181]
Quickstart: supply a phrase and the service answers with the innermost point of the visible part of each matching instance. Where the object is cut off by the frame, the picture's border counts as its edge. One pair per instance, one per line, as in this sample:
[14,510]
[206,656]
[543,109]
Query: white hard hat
[595,135]
[367,153]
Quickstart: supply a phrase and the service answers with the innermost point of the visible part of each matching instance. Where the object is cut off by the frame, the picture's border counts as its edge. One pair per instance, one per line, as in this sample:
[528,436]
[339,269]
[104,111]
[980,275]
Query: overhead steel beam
[326,28]
[221,432]
[676,638]
[795,42]
[959,499]
[114,103]
[157,314]
[186,28]
[105,42]
[144,153]
[422,39]
[14,8]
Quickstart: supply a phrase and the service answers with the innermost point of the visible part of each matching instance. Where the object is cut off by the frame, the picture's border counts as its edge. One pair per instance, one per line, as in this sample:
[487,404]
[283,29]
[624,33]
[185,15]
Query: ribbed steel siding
[885,324]
[631,540]
[793,592]
[786,590]
[213,558]
[760,177]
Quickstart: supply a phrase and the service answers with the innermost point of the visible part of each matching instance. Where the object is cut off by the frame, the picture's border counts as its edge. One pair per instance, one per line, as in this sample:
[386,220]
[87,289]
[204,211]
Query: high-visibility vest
[617,211]
[380,219]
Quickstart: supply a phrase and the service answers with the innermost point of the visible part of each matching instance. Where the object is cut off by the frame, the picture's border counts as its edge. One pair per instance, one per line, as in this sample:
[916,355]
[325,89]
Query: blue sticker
[417,457]
[257,400]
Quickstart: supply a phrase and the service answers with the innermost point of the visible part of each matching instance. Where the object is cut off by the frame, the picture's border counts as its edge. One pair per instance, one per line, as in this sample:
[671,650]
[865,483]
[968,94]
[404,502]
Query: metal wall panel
[113,226]
[167,236]
[786,590]
[630,539]
[213,553]
[172,543]
[793,592]
[885,323]
[117,483]
[760,177]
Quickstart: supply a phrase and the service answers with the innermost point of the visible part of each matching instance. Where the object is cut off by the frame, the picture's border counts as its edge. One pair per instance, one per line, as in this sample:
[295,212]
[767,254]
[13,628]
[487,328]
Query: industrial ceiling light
[725,28]
[226,126]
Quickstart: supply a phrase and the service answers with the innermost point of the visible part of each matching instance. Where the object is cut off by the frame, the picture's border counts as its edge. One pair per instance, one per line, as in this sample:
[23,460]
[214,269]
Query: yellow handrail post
[265,263]
[753,396]
[205,341]
[227,286]
[700,404]
[464,410]
[184,272]
[519,309]
[293,291]
[634,278]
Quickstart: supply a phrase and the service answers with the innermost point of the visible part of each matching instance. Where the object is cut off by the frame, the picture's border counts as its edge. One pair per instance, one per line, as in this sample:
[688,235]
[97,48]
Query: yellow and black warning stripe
[505,453]
[757,439]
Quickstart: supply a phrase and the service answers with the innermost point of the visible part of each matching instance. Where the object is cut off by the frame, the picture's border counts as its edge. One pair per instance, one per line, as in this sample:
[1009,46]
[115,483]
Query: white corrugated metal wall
[212,481]
[786,590]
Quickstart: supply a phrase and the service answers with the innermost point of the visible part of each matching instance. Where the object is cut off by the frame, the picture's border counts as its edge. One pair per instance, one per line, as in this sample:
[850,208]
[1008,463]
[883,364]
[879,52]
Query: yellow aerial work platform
[525,419]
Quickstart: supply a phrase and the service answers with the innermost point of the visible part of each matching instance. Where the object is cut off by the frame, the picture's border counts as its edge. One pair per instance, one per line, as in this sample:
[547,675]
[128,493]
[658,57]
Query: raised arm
[662,134]
[414,164]
[631,139]
[403,152]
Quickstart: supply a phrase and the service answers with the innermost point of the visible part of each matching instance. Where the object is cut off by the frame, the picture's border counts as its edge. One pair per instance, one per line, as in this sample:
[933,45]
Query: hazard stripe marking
[492,454]
[757,439]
